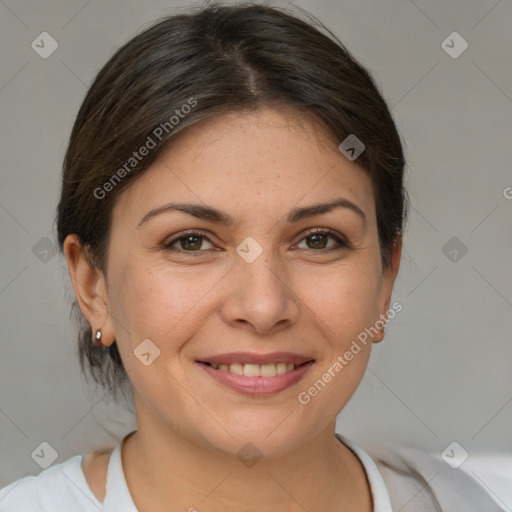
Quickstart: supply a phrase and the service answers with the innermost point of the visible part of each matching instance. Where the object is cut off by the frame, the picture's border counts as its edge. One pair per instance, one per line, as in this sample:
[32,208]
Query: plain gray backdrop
[442,373]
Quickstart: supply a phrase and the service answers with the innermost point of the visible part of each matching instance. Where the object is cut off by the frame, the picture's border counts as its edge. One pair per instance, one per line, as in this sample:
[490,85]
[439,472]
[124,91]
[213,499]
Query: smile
[255,379]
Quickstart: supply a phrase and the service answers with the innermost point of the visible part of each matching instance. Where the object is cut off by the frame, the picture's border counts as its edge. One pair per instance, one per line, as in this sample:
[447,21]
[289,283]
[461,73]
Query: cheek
[345,299]
[160,304]
[151,305]
[343,307]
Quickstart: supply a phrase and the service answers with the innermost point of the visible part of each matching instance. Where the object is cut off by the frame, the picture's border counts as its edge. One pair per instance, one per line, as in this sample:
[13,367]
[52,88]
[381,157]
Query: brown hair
[189,67]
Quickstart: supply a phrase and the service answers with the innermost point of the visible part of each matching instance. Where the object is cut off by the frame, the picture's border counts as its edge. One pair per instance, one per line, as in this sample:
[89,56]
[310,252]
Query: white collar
[117,495]
[380,495]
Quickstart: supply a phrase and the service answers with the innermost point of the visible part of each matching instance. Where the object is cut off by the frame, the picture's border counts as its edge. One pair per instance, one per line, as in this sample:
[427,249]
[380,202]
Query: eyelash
[342,244]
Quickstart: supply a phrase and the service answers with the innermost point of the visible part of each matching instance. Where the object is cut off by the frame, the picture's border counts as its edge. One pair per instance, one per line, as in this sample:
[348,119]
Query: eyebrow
[211,214]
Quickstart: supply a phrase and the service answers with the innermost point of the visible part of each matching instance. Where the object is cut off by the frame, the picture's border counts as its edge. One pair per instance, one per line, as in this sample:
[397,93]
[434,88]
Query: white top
[63,487]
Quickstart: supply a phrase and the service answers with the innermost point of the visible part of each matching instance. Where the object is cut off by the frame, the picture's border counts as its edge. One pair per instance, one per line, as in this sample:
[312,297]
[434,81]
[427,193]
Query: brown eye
[188,242]
[317,240]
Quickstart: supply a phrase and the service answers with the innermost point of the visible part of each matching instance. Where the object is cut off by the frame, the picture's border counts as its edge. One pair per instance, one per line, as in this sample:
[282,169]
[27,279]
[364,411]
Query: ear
[387,283]
[90,288]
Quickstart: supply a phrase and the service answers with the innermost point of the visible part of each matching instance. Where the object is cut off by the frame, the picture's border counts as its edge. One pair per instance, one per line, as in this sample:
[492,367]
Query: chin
[270,439]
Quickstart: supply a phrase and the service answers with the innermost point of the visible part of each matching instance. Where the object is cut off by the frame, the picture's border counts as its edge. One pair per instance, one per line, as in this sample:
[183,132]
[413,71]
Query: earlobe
[90,288]
[379,324]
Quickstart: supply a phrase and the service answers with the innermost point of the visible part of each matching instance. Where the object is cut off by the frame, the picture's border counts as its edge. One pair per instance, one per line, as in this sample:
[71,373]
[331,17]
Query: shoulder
[59,487]
[412,479]
[407,485]
[424,482]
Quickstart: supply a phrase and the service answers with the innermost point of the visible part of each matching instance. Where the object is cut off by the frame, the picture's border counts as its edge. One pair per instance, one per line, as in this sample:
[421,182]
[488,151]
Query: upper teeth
[256,370]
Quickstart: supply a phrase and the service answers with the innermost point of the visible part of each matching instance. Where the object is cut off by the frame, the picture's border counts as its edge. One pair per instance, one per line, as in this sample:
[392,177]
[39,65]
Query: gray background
[443,372]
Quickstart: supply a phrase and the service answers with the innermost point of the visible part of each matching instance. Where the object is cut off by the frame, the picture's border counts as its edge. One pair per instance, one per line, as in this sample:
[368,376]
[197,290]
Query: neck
[163,466]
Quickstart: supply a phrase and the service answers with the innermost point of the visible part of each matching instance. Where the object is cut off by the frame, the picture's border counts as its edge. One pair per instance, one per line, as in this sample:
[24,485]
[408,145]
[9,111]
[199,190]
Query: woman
[231,213]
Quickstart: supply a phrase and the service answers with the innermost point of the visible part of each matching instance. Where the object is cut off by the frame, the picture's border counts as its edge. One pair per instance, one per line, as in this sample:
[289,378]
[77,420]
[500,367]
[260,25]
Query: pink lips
[258,386]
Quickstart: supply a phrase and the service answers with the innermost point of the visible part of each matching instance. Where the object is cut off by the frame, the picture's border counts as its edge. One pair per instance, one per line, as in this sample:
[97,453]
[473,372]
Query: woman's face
[260,285]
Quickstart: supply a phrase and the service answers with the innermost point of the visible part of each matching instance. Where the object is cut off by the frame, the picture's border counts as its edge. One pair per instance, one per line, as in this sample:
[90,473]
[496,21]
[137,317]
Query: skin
[255,167]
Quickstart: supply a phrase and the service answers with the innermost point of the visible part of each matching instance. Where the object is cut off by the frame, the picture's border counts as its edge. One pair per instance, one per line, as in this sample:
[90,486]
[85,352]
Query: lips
[256,374]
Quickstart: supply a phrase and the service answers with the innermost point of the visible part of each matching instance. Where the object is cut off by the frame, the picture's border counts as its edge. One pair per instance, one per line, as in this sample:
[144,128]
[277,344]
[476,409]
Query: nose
[260,296]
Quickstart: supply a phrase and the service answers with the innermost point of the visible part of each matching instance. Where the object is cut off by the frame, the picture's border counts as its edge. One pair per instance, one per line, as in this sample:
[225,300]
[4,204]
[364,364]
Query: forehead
[260,162]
